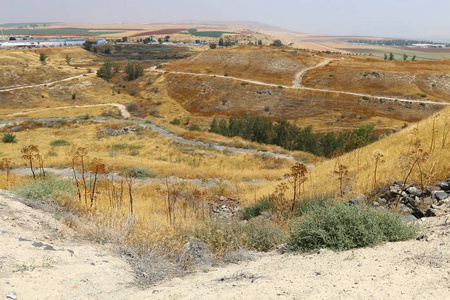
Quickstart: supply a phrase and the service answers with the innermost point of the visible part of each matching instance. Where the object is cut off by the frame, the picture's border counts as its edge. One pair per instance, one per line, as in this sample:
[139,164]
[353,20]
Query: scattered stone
[413,199]
[414,191]
[282,248]
[323,251]
[440,195]
[111,131]
[195,255]
[11,295]
[445,185]
[224,207]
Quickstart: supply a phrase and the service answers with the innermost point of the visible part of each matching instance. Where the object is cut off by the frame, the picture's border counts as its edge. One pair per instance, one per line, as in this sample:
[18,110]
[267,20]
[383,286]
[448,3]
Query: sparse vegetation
[134,70]
[9,138]
[59,143]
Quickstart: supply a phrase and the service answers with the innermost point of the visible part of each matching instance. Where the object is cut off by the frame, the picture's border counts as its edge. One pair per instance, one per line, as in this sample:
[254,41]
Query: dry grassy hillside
[207,97]
[23,68]
[423,147]
[268,64]
[384,78]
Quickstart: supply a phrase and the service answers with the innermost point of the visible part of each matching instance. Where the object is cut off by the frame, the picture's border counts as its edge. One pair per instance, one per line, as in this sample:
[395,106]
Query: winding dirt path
[122,109]
[44,84]
[299,76]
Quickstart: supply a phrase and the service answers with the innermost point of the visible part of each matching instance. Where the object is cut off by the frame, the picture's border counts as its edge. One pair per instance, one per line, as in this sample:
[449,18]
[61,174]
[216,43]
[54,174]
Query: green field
[213,34]
[57,30]
[398,53]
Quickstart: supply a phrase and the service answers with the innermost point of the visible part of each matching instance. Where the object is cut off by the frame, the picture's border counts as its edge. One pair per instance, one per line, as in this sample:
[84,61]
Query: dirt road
[122,109]
[297,84]
[44,84]
[41,259]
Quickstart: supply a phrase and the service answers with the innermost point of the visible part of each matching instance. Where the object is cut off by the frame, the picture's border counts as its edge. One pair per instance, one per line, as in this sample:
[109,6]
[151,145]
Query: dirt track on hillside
[298,85]
[42,259]
[43,84]
[122,109]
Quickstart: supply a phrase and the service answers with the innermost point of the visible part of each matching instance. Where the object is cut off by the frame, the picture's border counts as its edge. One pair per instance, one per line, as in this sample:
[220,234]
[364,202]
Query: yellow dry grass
[431,135]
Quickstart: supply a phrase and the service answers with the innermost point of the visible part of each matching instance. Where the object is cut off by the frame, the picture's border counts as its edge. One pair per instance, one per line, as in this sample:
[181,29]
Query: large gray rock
[414,191]
[440,195]
[445,185]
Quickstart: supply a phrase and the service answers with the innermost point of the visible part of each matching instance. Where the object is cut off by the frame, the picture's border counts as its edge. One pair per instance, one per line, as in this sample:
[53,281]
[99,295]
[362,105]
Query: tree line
[291,137]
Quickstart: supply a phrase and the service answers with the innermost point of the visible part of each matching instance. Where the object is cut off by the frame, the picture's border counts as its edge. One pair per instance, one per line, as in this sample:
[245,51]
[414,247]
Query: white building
[50,43]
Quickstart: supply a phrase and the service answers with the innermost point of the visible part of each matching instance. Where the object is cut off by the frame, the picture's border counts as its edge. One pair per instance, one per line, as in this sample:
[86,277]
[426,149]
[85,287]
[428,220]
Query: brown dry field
[161,31]
[208,96]
[267,64]
[405,79]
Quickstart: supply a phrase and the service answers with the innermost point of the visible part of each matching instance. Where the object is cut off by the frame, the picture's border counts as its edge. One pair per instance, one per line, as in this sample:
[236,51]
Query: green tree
[391,56]
[214,127]
[223,127]
[221,42]
[385,56]
[134,70]
[68,59]
[413,58]
[43,58]
[106,71]
[213,46]
[87,46]
[277,43]
[405,57]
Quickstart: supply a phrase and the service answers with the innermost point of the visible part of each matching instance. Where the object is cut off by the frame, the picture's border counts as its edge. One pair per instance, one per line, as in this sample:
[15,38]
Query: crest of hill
[428,141]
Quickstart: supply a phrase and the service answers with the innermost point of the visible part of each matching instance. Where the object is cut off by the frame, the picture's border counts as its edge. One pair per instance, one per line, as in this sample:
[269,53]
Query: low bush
[139,172]
[264,204]
[339,226]
[58,143]
[49,189]
[175,122]
[9,138]
[195,127]
[226,236]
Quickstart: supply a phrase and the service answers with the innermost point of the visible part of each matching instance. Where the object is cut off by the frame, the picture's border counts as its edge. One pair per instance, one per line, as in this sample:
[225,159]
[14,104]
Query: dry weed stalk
[378,156]
[296,178]
[445,134]
[342,174]
[130,174]
[32,157]
[97,167]
[6,165]
[78,159]
[282,202]
[416,156]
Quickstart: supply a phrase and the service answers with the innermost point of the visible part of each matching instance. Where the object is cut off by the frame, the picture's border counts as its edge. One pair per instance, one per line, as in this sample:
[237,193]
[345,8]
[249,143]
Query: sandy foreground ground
[40,259]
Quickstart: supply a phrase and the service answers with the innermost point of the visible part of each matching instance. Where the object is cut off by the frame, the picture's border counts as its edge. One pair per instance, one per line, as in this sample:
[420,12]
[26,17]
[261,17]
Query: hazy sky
[387,18]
